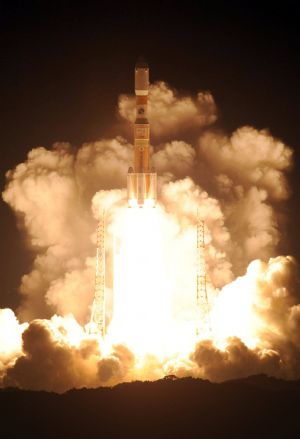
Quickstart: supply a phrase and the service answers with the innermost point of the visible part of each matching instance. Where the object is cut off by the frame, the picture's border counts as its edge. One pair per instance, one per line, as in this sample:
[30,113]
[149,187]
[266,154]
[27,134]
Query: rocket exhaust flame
[141,189]
[141,316]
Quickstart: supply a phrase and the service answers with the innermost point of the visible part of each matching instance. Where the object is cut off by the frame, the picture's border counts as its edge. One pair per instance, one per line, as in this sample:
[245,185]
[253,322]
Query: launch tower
[97,323]
[203,320]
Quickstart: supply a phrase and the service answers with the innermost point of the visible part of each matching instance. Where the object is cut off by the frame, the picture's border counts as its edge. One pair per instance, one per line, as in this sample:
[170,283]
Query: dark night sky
[65,63]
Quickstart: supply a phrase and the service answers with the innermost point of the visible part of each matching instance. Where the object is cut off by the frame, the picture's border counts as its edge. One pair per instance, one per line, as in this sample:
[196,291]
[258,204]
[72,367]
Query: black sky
[64,63]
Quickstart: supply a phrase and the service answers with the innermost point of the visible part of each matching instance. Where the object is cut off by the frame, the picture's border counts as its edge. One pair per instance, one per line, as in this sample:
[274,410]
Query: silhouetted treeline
[255,407]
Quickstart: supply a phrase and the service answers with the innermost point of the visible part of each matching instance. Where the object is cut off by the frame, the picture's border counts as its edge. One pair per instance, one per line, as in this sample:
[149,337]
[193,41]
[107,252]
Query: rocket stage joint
[141,178]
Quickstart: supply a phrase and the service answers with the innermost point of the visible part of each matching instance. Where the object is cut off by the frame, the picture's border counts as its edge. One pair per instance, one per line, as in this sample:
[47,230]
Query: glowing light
[133,202]
[142,312]
[233,313]
[148,202]
[67,329]
[10,335]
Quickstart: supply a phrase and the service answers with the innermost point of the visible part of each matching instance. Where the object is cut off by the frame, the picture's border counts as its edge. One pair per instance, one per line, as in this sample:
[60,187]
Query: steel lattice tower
[203,320]
[98,308]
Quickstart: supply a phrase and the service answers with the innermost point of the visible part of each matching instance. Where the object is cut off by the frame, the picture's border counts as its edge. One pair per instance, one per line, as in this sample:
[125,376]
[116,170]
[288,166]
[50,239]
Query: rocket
[141,177]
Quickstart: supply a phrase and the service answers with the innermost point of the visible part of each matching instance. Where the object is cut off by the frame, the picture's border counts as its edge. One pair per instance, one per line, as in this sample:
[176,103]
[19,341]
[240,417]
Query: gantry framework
[98,308]
[203,319]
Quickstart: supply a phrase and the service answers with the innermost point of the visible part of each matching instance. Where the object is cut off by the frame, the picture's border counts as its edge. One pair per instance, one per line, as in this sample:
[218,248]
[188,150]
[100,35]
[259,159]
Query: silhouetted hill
[254,407]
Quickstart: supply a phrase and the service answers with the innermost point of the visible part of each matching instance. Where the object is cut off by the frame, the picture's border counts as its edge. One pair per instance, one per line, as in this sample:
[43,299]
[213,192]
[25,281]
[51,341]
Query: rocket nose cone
[141,63]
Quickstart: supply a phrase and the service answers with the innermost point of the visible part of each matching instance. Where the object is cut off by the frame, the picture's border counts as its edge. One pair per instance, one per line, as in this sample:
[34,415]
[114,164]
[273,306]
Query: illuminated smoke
[172,114]
[239,185]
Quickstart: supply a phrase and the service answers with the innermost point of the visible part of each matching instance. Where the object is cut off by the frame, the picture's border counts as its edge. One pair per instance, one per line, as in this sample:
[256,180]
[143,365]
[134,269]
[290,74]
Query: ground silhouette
[254,407]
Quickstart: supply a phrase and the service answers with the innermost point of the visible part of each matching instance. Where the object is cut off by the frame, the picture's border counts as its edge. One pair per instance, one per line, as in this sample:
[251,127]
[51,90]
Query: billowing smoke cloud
[237,361]
[10,339]
[237,184]
[273,325]
[175,160]
[248,158]
[247,174]
[57,355]
[49,362]
[172,114]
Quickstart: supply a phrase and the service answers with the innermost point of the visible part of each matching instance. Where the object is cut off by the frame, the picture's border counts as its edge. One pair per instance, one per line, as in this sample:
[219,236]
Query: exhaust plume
[237,183]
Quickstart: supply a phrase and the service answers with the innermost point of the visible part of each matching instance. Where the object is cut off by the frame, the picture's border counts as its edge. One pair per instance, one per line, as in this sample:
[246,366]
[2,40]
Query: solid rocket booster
[141,179]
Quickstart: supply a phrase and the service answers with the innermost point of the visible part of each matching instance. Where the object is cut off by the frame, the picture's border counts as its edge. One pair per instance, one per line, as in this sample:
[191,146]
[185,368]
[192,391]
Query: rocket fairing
[141,178]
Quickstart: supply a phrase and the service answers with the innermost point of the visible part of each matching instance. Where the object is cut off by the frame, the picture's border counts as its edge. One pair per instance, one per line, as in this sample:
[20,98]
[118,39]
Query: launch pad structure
[98,307]
[203,321]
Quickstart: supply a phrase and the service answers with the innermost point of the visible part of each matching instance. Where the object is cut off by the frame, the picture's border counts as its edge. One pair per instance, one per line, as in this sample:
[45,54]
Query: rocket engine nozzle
[141,189]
